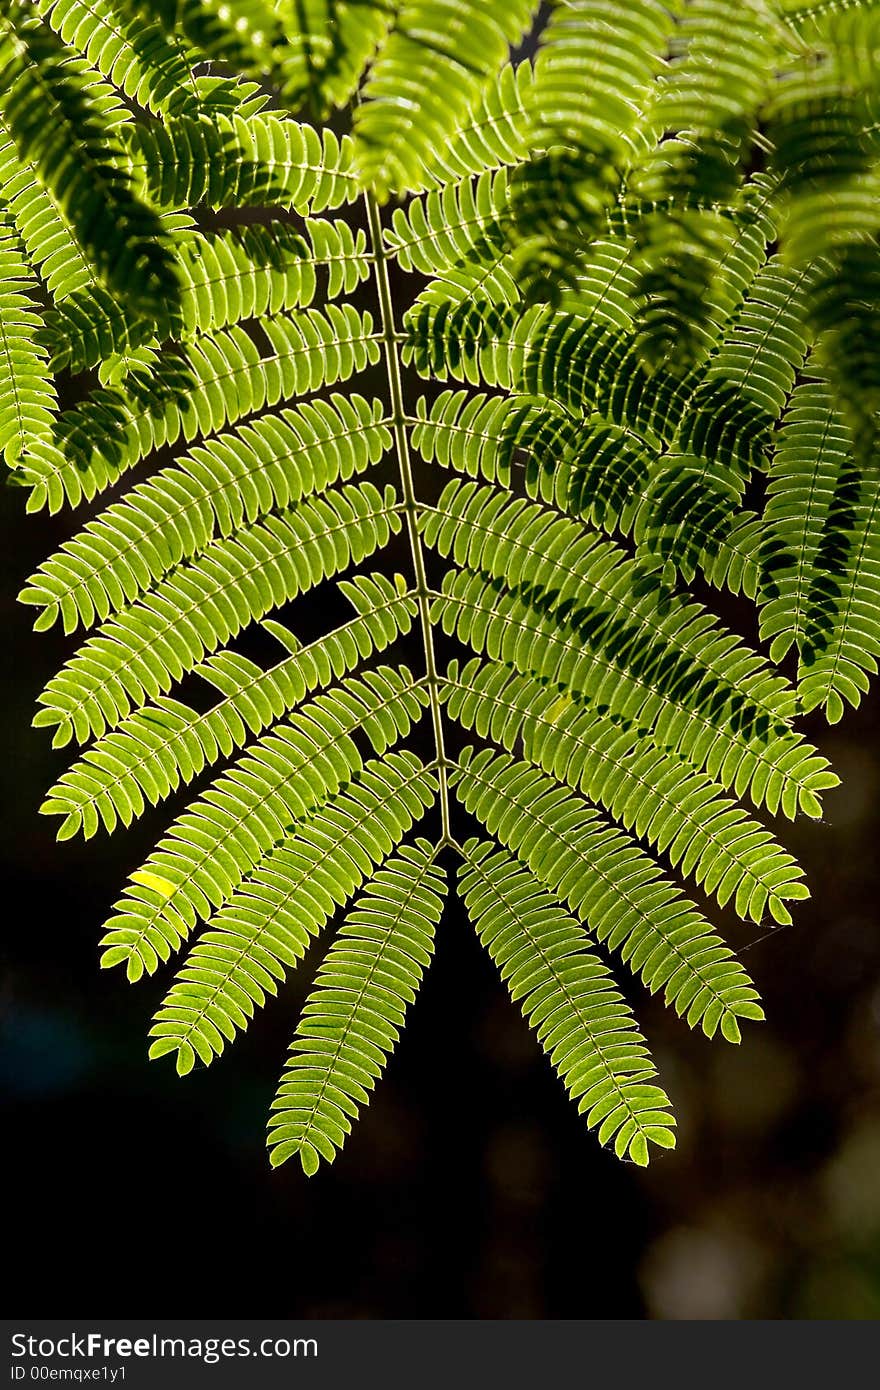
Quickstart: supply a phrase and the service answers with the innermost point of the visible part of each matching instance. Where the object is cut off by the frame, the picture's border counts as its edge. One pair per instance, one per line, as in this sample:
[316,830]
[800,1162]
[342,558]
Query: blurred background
[470,1188]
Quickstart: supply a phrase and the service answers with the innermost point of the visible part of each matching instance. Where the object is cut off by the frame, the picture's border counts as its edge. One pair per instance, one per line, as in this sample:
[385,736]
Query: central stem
[410,505]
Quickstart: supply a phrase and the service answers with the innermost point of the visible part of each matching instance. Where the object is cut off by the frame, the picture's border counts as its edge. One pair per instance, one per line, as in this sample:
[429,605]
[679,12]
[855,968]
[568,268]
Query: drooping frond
[710,94]
[327,45]
[152,642]
[225,278]
[353,1017]
[214,381]
[67,124]
[706,432]
[27,392]
[241,160]
[621,895]
[593,75]
[266,925]
[167,744]
[434,65]
[726,432]
[212,492]
[822,125]
[569,998]
[595,69]
[229,830]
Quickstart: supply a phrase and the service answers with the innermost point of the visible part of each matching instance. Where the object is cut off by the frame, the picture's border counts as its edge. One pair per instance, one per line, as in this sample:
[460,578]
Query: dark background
[470,1187]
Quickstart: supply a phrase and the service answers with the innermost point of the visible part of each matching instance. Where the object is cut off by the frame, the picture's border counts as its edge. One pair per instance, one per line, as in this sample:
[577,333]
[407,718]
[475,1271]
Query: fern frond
[28,400]
[820,126]
[733,562]
[267,925]
[52,248]
[226,833]
[572,356]
[558,355]
[654,795]
[568,996]
[685,712]
[67,124]
[723,415]
[241,161]
[167,744]
[354,1015]
[151,643]
[837,666]
[595,69]
[139,58]
[646,314]
[460,223]
[588,582]
[213,381]
[213,491]
[226,277]
[327,46]
[494,134]
[586,467]
[804,547]
[766,344]
[434,65]
[618,891]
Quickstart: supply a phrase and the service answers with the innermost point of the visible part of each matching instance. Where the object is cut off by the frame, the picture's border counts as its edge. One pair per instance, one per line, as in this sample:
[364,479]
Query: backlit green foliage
[637,273]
